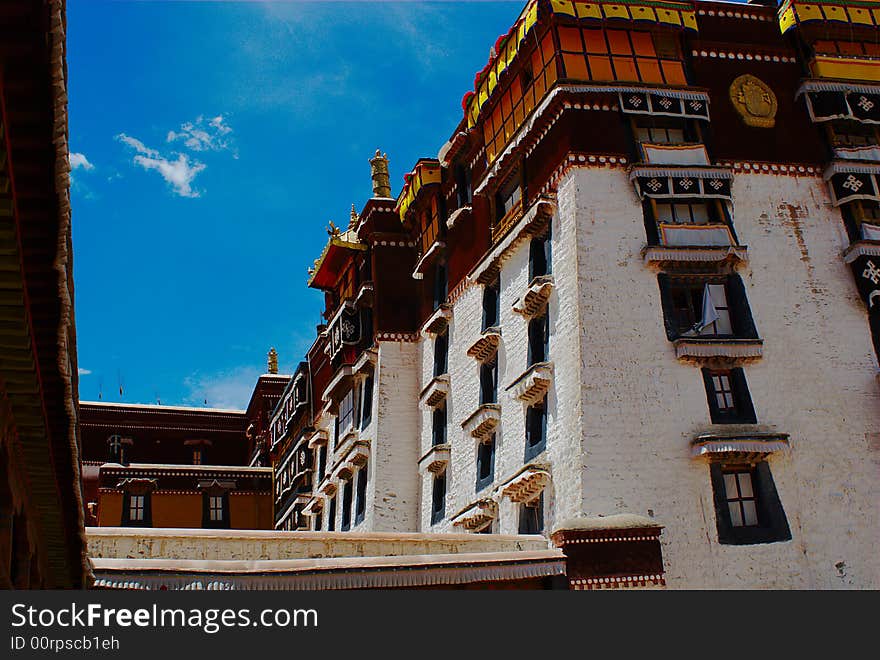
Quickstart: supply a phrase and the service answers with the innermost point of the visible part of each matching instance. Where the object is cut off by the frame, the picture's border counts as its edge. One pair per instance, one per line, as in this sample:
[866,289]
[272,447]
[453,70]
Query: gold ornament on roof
[272,361]
[379,173]
[332,230]
[352,223]
[754,101]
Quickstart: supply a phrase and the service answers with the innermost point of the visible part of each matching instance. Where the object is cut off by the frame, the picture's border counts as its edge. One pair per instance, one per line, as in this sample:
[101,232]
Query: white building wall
[641,407]
[393,489]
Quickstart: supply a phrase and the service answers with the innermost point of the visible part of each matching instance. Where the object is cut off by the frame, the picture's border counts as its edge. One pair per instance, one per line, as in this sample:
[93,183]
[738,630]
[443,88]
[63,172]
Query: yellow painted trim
[846,68]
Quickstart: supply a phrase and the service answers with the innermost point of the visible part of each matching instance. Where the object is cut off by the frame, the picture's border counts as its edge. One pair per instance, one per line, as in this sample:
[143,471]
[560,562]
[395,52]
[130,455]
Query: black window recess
[720,387]
[441,353]
[772,524]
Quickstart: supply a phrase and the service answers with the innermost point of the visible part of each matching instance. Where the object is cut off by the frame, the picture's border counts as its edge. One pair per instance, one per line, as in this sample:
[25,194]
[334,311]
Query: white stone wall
[562,496]
[393,489]
[816,381]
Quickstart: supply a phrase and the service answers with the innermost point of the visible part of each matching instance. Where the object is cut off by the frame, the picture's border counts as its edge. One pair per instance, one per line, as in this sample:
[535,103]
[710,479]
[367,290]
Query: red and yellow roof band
[668,12]
[855,12]
[425,172]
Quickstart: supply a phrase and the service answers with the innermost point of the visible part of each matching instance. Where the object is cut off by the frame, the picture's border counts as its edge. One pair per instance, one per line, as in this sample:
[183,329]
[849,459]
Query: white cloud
[225,389]
[80,161]
[84,372]
[204,134]
[179,172]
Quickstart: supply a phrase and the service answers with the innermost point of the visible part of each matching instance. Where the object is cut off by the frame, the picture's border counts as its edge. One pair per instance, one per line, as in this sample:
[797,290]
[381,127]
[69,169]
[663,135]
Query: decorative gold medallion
[754,101]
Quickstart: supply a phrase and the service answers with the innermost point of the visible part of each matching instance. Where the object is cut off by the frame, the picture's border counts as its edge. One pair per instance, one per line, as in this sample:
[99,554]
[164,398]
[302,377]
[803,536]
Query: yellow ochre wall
[246,511]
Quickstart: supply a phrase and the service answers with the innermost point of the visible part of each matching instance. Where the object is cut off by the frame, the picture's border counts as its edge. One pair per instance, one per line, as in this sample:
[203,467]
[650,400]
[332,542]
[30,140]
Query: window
[346,504]
[705,306]
[747,506]
[508,198]
[441,285]
[438,426]
[536,429]
[531,516]
[728,396]
[660,135]
[539,338]
[489,382]
[198,456]
[215,506]
[367,402]
[322,461]
[429,226]
[697,213]
[438,498]
[845,133]
[441,353]
[857,48]
[539,256]
[862,219]
[630,55]
[331,515]
[347,285]
[346,413]
[516,101]
[462,185]
[491,305]
[485,463]
[215,510]
[318,517]
[136,510]
[360,508]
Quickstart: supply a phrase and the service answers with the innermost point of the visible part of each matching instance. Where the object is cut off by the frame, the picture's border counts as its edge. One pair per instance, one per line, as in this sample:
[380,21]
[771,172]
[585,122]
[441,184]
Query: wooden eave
[329,266]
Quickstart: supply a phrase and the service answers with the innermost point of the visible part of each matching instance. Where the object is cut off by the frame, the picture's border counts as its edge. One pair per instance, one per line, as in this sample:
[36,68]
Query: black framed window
[331,515]
[539,338]
[215,510]
[441,284]
[747,506]
[489,381]
[536,429]
[347,490]
[360,506]
[137,510]
[438,425]
[318,519]
[508,198]
[491,305]
[485,463]
[441,353]
[438,498]
[322,461]
[367,402]
[462,185]
[684,301]
[728,396]
[540,258]
[531,516]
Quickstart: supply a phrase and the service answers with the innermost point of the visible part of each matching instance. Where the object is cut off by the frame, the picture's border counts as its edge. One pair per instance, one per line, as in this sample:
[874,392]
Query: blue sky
[212,143]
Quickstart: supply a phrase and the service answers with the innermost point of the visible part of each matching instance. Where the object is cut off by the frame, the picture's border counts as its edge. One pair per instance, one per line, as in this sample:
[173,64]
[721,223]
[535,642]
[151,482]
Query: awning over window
[849,181]
[691,105]
[827,101]
[794,12]
[669,183]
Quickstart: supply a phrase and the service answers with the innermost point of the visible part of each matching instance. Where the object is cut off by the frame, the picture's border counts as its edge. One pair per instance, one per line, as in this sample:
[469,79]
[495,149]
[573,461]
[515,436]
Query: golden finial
[379,173]
[353,222]
[332,230]
[273,361]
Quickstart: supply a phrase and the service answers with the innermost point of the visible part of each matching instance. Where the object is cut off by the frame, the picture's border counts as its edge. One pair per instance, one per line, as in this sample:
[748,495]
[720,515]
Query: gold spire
[379,172]
[353,222]
[273,361]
